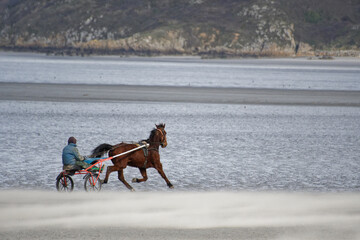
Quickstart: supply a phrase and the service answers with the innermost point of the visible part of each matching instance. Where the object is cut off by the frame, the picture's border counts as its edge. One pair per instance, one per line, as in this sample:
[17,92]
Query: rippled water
[211,147]
[339,74]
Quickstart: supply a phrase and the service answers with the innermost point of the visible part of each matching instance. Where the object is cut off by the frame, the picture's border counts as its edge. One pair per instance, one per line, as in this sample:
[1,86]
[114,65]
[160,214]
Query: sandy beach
[113,93]
[173,214]
[179,215]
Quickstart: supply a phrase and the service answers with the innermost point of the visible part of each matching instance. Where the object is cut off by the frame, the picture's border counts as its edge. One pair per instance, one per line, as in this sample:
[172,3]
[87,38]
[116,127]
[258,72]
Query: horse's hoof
[134,180]
[132,190]
[171,187]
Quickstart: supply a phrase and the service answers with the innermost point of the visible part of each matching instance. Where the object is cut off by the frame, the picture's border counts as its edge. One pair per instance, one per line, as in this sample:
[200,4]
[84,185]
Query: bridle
[162,140]
[155,148]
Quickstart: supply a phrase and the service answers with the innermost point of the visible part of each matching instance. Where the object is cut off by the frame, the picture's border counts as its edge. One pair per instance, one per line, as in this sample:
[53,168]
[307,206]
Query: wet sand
[116,93]
[179,215]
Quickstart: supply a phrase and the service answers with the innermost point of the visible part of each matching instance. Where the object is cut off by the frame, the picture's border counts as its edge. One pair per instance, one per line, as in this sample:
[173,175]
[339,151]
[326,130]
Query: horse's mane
[153,132]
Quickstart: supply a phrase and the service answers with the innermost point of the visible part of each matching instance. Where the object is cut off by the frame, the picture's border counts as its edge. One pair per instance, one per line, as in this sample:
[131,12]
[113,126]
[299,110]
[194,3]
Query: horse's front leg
[159,168]
[144,175]
[122,179]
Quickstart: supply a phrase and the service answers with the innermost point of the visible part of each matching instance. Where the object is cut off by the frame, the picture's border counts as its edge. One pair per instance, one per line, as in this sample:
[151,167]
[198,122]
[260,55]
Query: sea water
[299,73]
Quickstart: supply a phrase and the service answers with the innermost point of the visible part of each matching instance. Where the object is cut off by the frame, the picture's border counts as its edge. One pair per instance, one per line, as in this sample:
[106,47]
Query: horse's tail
[101,149]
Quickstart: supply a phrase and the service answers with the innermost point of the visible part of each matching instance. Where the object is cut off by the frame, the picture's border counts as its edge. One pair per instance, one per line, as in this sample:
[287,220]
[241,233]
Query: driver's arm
[78,157]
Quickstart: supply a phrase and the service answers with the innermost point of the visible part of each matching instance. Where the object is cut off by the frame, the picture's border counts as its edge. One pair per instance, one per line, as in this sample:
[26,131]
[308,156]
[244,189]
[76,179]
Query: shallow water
[210,146]
[338,74]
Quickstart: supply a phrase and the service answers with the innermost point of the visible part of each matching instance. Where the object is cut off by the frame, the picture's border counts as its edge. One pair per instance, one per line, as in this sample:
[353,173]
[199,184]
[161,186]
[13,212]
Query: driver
[71,157]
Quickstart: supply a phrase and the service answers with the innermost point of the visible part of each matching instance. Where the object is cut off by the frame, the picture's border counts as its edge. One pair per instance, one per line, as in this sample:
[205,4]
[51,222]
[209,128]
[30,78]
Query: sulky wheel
[92,183]
[64,183]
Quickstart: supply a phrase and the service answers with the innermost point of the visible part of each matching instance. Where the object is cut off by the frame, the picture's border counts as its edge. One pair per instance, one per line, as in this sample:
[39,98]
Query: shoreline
[49,92]
[86,52]
[187,56]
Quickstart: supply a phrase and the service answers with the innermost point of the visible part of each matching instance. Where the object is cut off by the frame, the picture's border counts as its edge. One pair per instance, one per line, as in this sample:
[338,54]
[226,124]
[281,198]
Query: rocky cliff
[212,28]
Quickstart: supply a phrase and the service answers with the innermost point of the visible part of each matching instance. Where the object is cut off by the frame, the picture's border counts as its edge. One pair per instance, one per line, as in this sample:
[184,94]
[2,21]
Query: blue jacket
[71,154]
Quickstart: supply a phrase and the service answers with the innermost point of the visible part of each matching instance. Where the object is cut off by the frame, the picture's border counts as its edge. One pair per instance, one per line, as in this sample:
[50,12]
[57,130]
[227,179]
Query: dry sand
[179,215]
[83,92]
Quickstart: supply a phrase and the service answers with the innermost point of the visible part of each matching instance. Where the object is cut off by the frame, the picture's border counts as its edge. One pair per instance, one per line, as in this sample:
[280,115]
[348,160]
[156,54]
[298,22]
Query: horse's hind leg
[161,172]
[143,173]
[109,170]
[122,179]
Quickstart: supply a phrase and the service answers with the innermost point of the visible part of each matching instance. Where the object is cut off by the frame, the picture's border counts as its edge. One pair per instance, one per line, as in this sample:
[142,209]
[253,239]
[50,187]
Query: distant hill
[209,28]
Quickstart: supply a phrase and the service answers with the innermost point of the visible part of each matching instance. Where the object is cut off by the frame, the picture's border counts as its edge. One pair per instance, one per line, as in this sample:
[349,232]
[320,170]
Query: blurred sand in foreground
[179,215]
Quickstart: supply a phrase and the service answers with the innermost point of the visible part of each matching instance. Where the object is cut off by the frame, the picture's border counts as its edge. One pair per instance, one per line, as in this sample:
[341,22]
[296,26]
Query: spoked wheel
[64,183]
[92,183]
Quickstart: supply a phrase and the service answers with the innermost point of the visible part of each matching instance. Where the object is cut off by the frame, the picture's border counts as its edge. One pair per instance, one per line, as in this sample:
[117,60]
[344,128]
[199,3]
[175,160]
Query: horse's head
[158,135]
[161,129]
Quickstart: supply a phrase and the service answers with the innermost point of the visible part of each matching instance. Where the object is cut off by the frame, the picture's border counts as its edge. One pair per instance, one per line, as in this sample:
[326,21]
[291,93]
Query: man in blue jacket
[71,157]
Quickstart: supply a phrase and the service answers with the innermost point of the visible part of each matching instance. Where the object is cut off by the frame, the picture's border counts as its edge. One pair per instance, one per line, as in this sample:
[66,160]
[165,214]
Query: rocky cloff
[193,27]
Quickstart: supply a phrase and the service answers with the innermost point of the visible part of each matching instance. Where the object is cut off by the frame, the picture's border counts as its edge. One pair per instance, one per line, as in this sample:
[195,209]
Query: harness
[145,150]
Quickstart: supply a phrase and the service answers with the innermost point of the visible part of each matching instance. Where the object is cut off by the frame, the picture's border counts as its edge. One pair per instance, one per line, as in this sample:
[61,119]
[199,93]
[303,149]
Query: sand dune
[180,215]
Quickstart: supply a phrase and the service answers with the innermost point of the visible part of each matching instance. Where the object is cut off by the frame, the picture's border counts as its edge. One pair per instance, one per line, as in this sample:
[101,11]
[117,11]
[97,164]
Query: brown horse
[137,158]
